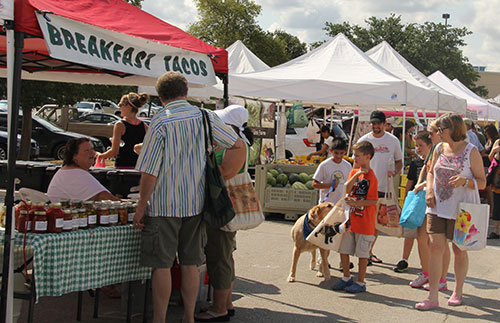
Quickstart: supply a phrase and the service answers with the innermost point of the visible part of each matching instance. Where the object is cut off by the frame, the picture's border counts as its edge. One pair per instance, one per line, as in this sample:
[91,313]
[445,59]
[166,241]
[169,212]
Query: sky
[305,19]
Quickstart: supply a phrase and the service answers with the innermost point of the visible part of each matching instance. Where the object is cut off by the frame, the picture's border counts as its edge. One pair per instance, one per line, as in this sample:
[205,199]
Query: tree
[137,3]
[293,46]
[428,46]
[221,23]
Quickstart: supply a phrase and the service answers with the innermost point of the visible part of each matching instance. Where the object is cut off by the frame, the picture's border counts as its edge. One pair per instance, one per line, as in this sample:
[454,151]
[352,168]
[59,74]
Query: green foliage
[429,46]
[221,23]
[137,3]
[293,46]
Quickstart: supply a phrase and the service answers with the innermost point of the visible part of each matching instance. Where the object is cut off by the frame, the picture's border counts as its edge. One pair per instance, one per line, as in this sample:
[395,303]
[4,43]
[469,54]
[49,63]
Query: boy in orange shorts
[361,197]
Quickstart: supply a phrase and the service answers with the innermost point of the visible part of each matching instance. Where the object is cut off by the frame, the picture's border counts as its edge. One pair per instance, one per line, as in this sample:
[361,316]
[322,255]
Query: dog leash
[332,189]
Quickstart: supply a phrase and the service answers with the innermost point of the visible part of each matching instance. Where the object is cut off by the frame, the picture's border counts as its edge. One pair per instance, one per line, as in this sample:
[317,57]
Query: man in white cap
[390,124]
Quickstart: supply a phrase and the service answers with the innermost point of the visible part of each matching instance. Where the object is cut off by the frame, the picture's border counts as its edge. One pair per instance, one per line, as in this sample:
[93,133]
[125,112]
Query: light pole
[445,17]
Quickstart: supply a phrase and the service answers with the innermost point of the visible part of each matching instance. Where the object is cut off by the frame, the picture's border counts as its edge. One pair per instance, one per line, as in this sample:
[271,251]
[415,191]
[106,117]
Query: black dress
[134,134]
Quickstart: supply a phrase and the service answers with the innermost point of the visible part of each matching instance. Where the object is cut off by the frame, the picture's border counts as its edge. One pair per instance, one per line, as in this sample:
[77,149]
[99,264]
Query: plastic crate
[312,160]
[402,192]
[404,180]
[290,199]
[401,202]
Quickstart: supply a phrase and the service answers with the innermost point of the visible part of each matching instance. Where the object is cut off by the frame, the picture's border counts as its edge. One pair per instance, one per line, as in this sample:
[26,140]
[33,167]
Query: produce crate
[312,160]
[402,192]
[401,202]
[404,180]
[284,200]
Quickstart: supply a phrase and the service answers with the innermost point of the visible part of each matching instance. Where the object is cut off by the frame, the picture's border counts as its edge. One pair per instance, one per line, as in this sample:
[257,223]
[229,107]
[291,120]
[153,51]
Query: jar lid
[55,204]
[74,211]
[82,210]
[23,212]
[40,213]
[67,211]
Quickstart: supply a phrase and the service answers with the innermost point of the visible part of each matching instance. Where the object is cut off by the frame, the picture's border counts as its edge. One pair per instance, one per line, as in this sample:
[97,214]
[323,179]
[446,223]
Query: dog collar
[307,229]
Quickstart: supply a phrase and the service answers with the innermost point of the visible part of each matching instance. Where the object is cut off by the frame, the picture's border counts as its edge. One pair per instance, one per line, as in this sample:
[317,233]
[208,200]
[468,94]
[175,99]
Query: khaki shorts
[436,224]
[220,262]
[356,244]
[409,233]
[164,237]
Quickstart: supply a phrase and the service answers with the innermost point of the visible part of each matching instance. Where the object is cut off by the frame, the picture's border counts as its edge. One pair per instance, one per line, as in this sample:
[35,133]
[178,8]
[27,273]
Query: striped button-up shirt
[174,152]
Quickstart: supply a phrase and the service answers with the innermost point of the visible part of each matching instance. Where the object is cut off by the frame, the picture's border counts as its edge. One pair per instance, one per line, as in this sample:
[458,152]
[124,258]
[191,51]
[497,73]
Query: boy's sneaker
[402,266]
[356,288]
[442,286]
[420,281]
[341,284]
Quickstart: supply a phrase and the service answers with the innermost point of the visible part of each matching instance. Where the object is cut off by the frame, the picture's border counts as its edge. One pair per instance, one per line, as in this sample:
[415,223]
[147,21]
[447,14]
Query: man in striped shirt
[172,162]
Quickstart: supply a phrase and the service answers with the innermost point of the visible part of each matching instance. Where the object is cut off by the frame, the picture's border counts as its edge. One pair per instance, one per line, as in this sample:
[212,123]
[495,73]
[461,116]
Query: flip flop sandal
[212,317]
[375,259]
[230,311]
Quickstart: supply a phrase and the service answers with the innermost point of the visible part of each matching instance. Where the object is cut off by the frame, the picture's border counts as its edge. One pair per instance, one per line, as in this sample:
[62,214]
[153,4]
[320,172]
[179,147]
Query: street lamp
[445,17]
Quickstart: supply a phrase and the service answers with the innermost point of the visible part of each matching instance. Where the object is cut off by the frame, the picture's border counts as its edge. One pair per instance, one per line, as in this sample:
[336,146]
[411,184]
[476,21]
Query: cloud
[180,13]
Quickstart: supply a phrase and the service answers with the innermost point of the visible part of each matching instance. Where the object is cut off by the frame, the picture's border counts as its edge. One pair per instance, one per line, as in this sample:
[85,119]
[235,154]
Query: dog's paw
[319,274]
[291,279]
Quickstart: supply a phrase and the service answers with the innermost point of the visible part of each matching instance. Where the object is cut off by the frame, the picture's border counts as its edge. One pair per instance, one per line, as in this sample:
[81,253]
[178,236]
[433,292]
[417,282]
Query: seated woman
[73,181]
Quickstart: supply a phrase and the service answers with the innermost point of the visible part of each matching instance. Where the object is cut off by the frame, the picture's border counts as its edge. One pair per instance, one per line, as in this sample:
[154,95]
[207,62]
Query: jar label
[59,223]
[131,217]
[92,219]
[113,218]
[29,225]
[83,222]
[104,219]
[68,225]
[40,225]
[76,223]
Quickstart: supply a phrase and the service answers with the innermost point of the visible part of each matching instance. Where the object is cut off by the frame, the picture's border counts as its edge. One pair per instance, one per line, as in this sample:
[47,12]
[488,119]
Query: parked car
[4,135]
[85,107]
[50,137]
[4,105]
[109,107]
[106,118]
[296,142]
[143,112]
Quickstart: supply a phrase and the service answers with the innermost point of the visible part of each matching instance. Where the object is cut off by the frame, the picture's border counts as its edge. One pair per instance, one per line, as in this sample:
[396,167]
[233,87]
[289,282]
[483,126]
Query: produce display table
[82,260]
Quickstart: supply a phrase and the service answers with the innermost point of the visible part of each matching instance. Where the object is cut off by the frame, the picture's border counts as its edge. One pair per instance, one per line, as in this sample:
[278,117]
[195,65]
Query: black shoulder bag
[218,209]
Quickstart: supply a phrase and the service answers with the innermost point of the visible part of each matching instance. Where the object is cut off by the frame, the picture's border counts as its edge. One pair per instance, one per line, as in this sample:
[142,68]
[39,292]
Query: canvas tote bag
[471,226]
[248,212]
[388,213]
[324,235]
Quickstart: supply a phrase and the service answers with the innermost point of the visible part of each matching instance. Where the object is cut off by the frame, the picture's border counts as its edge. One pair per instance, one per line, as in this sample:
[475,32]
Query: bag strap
[389,192]
[207,130]
[332,188]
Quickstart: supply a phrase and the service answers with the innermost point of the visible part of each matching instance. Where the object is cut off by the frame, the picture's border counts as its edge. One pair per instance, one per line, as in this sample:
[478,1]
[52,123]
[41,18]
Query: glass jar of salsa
[21,206]
[82,215]
[131,211]
[103,215]
[40,223]
[123,213]
[91,213]
[55,218]
[113,214]
[76,219]
[68,220]
[23,224]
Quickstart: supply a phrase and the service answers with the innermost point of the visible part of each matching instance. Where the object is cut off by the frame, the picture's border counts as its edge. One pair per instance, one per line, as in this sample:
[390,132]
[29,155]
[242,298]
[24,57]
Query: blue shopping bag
[413,213]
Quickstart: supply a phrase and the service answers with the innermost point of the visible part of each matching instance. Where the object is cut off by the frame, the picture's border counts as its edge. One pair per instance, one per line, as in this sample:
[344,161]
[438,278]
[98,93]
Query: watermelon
[304,178]
[279,185]
[288,185]
[311,177]
[274,172]
[270,179]
[282,179]
[279,170]
[299,186]
[309,185]
[294,177]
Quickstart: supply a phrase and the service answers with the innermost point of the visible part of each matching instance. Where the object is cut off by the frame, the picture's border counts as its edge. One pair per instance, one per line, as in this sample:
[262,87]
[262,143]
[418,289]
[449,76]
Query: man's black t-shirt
[415,168]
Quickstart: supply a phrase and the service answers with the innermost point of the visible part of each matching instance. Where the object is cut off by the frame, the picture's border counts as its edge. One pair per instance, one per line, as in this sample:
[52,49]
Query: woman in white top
[455,175]
[73,180]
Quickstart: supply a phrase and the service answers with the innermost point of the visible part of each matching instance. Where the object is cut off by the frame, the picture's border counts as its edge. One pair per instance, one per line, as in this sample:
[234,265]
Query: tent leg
[11,168]
[225,81]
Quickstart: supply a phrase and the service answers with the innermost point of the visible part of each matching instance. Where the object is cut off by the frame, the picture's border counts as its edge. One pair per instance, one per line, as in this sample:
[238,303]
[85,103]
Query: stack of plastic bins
[101,174]
[121,180]
[36,175]
[49,173]
[3,174]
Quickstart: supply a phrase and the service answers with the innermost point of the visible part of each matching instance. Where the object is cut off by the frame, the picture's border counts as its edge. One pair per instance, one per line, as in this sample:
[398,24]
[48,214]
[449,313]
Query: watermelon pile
[277,178]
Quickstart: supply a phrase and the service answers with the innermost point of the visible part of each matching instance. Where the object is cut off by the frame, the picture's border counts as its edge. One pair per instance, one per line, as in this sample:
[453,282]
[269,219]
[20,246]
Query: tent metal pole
[404,137]
[225,81]
[11,168]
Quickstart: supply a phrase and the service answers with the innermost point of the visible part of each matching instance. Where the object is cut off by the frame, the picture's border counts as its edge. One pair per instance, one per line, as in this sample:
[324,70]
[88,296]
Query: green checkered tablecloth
[84,259]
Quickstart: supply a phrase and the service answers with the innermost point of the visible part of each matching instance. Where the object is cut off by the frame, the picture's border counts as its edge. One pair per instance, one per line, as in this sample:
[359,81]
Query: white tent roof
[492,113]
[241,60]
[472,103]
[337,72]
[436,99]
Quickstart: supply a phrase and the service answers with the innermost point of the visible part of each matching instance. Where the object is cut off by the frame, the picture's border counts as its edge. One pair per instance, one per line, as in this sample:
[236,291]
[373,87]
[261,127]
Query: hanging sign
[85,44]
[7,9]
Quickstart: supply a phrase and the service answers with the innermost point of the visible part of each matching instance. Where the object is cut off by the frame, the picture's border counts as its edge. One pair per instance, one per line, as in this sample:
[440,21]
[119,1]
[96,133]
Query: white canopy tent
[336,73]
[493,112]
[240,60]
[480,106]
[437,99]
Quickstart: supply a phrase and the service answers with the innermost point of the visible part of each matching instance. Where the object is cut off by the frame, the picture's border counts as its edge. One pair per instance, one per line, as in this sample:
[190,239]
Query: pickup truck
[67,118]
